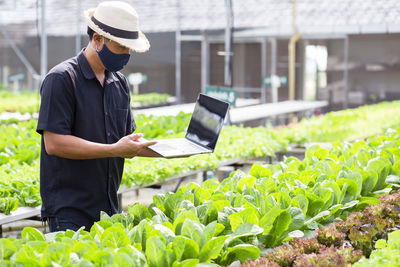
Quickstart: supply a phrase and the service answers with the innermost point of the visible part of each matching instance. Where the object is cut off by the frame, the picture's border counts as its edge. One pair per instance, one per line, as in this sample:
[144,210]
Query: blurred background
[346,52]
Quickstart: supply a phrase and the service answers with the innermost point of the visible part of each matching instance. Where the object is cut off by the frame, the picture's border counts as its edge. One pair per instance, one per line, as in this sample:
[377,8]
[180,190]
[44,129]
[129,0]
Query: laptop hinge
[199,144]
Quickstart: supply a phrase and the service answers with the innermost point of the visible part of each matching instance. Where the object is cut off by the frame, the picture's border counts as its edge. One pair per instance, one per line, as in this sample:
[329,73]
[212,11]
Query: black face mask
[111,61]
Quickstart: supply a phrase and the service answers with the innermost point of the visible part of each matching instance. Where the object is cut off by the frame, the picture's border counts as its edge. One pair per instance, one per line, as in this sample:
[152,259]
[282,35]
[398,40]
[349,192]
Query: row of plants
[234,142]
[161,126]
[19,187]
[386,253]
[345,242]
[22,102]
[222,222]
[29,101]
[347,125]
[22,158]
[150,98]
[20,144]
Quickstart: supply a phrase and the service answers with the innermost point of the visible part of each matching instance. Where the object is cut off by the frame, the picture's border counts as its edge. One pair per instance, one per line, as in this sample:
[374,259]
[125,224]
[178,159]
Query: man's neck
[95,63]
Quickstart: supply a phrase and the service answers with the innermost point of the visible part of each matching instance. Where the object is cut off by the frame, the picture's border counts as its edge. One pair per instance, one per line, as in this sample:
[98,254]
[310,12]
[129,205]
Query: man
[86,122]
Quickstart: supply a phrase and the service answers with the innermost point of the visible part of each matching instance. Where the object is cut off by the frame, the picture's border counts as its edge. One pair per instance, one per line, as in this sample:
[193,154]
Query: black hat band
[116,32]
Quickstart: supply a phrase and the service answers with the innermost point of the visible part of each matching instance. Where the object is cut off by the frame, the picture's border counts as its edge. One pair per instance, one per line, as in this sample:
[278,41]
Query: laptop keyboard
[187,146]
[182,146]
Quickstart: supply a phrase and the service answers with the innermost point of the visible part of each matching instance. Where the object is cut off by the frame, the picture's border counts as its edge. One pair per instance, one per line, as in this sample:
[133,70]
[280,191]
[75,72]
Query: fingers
[136,136]
[148,143]
[143,142]
[142,146]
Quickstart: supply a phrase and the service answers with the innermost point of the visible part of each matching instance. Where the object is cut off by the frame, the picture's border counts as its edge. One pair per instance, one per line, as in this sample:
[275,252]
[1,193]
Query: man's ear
[97,40]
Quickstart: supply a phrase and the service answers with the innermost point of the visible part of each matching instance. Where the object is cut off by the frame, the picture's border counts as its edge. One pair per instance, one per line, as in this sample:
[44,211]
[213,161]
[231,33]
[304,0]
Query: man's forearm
[72,147]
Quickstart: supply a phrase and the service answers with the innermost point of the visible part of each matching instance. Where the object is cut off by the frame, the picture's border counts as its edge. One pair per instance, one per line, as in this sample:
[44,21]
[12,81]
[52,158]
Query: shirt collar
[110,77]
[85,67]
[88,72]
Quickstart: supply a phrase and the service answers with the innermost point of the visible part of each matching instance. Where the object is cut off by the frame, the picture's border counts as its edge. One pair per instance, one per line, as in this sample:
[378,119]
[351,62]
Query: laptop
[202,134]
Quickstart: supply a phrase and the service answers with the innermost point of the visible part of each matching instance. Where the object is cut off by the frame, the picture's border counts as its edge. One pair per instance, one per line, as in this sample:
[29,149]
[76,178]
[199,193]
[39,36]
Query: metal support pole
[346,73]
[5,76]
[205,63]
[78,25]
[228,43]
[43,42]
[292,55]
[263,70]
[274,90]
[178,92]
[30,81]
[119,202]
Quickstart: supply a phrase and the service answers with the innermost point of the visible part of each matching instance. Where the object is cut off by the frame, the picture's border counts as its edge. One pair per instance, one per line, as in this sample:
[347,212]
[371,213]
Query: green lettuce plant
[386,253]
[222,222]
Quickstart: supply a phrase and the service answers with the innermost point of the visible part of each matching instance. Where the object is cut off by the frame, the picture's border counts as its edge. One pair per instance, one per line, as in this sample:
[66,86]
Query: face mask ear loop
[97,49]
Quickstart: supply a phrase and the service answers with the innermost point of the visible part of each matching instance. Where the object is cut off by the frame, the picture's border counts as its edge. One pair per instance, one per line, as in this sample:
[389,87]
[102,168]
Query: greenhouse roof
[273,17]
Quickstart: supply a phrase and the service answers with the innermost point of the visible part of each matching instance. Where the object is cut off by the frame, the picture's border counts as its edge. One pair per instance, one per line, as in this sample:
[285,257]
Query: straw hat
[118,21]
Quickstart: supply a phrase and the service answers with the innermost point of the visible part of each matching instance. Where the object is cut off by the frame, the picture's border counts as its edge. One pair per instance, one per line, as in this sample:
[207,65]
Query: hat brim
[139,45]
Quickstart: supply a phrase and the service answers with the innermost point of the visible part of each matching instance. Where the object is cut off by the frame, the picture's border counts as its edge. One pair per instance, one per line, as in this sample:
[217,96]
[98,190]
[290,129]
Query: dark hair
[90,32]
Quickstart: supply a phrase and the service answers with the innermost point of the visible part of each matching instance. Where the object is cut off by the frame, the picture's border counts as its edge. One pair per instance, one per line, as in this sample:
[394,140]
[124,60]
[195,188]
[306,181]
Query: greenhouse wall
[374,68]
[374,65]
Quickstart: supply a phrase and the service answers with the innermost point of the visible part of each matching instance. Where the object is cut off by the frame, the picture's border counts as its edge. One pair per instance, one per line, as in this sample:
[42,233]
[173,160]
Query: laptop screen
[207,121]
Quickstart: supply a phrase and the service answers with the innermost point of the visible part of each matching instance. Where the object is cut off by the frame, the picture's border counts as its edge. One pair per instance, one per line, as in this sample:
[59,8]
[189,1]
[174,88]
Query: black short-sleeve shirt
[73,102]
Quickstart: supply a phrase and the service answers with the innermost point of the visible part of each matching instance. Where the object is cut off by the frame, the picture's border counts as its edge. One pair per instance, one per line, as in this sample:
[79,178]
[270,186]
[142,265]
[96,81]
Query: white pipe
[346,73]
[78,26]
[228,43]
[274,89]
[263,70]
[204,63]
[178,93]
[43,42]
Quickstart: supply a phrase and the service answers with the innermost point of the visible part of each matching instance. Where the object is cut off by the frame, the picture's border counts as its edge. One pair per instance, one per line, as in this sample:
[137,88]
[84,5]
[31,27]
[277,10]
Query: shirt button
[108,134]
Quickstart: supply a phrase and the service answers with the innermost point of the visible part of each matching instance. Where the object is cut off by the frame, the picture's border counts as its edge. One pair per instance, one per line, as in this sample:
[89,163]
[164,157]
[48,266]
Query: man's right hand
[132,145]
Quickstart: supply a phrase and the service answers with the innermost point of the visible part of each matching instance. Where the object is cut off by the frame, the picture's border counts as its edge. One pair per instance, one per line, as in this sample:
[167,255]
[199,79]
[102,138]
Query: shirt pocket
[120,119]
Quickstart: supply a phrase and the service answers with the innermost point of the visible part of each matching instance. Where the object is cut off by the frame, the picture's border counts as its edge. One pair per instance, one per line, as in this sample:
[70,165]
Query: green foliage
[346,125]
[222,222]
[29,101]
[234,142]
[161,126]
[19,143]
[386,253]
[150,98]
[19,186]
[20,147]
[23,102]
[19,167]
[360,233]
[216,223]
